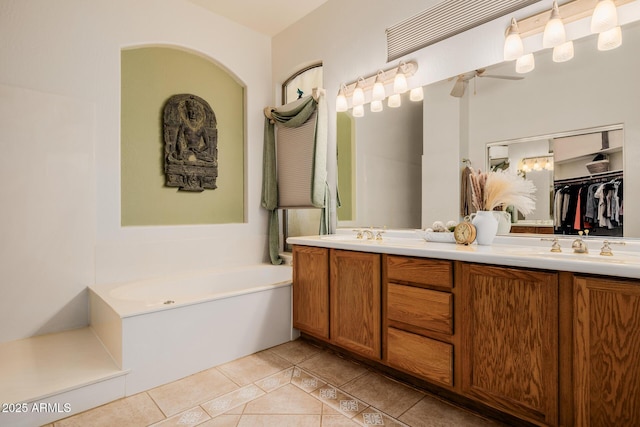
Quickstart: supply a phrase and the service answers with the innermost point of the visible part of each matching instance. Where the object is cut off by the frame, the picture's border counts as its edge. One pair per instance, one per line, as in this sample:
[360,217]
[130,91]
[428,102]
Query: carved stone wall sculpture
[190,143]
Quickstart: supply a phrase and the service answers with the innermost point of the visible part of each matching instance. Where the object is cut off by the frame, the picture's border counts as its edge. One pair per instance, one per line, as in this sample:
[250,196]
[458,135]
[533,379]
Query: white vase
[486,226]
[504,221]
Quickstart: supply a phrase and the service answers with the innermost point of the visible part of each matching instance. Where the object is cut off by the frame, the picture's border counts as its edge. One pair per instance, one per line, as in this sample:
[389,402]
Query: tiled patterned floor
[291,385]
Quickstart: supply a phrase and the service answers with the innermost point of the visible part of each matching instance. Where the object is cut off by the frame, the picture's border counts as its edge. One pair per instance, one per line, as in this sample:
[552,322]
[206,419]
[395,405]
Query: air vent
[443,21]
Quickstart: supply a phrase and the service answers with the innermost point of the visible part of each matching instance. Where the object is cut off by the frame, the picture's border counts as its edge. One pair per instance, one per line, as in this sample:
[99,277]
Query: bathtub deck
[51,368]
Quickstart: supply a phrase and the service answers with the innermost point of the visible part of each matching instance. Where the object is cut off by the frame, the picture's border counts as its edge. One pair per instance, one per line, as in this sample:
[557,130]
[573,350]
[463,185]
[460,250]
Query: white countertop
[527,251]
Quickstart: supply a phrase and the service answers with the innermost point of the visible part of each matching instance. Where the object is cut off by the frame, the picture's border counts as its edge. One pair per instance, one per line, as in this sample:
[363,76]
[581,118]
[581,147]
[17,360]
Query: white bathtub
[167,328]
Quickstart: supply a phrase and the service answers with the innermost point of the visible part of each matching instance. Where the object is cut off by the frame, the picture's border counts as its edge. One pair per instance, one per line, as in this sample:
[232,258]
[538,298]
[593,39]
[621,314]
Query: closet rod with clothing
[592,202]
[599,177]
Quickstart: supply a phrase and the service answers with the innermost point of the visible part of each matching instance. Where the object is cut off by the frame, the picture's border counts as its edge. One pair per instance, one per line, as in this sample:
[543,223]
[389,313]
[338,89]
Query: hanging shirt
[577,220]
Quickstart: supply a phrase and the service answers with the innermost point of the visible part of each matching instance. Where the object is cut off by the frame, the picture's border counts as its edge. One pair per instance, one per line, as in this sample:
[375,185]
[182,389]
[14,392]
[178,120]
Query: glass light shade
[378,93]
[605,16]
[394,100]
[548,165]
[554,34]
[341,103]
[513,47]
[525,63]
[525,167]
[564,52]
[610,39]
[400,83]
[376,106]
[536,166]
[416,94]
[358,96]
[358,111]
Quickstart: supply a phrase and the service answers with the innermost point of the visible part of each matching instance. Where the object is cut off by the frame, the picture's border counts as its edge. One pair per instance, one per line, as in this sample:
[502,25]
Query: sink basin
[396,241]
[618,257]
[344,238]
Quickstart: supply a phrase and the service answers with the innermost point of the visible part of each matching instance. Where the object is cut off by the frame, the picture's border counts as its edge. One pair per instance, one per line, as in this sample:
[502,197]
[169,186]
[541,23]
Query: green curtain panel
[295,115]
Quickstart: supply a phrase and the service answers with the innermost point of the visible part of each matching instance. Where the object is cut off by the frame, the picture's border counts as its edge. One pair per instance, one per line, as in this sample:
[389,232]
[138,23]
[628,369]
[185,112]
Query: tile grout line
[157,406]
[227,376]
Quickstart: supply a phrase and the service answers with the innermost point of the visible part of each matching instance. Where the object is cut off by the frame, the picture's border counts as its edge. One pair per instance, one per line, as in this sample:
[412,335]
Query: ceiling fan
[463,79]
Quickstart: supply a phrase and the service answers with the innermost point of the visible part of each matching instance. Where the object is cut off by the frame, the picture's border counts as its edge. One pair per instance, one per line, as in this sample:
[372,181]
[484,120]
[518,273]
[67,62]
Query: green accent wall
[346,168]
[150,76]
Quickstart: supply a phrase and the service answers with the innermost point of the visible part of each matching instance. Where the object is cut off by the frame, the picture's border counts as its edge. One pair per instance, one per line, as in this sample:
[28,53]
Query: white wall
[349,37]
[60,105]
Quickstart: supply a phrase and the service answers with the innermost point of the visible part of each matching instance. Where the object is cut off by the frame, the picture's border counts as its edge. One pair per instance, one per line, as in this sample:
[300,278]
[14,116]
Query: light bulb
[394,101]
[548,166]
[358,111]
[605,16]
[358,96]
[376,106]
[341,102]
[513,47]
[416,94]
[378,93]
[554,34]
[610,39]
[536,166]
[525,63]
[564,52]
[400,82]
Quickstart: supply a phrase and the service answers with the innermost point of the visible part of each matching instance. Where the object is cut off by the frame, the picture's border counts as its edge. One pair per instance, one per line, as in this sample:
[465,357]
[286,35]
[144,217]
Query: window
[301,222]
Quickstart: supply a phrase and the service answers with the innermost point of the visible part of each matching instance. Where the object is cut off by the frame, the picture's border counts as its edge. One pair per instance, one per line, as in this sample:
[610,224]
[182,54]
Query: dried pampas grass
[499,189]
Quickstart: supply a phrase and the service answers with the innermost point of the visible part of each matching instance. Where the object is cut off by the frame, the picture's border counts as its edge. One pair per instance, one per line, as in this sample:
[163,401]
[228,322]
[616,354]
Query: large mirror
[578,177]
[594,90]
[379,167]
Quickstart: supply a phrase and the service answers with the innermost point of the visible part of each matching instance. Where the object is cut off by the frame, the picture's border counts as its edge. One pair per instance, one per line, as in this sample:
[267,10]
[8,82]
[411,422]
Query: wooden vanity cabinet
[355,291]
[606,351]
[418,321]
[311,290]
[551,348]
[509,340]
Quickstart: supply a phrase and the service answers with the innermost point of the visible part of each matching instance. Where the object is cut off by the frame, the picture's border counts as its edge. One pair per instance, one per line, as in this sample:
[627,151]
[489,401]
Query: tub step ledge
[49,377]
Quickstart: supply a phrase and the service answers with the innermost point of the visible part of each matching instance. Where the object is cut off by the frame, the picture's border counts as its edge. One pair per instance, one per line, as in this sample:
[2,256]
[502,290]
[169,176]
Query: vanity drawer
[420,307]
[428,272]
[426,358]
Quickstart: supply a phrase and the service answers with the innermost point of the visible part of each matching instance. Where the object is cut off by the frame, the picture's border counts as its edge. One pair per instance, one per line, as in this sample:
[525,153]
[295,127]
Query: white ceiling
[267,17]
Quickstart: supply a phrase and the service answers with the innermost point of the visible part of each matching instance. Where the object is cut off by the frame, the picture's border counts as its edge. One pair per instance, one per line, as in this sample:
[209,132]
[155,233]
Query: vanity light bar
[387,77]
[604,20]
[543,163]
[570,12]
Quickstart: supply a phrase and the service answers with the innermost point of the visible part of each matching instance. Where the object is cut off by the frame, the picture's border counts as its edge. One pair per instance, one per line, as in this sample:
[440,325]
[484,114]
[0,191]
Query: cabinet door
[510,340]
[355,302]
[311,290]
[607,352]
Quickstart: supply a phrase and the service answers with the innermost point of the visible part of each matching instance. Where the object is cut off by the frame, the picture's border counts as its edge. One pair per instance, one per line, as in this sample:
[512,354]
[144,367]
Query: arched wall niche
[150,75]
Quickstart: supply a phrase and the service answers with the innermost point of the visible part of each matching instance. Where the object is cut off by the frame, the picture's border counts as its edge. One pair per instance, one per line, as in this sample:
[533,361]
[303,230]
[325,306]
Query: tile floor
[292,385]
